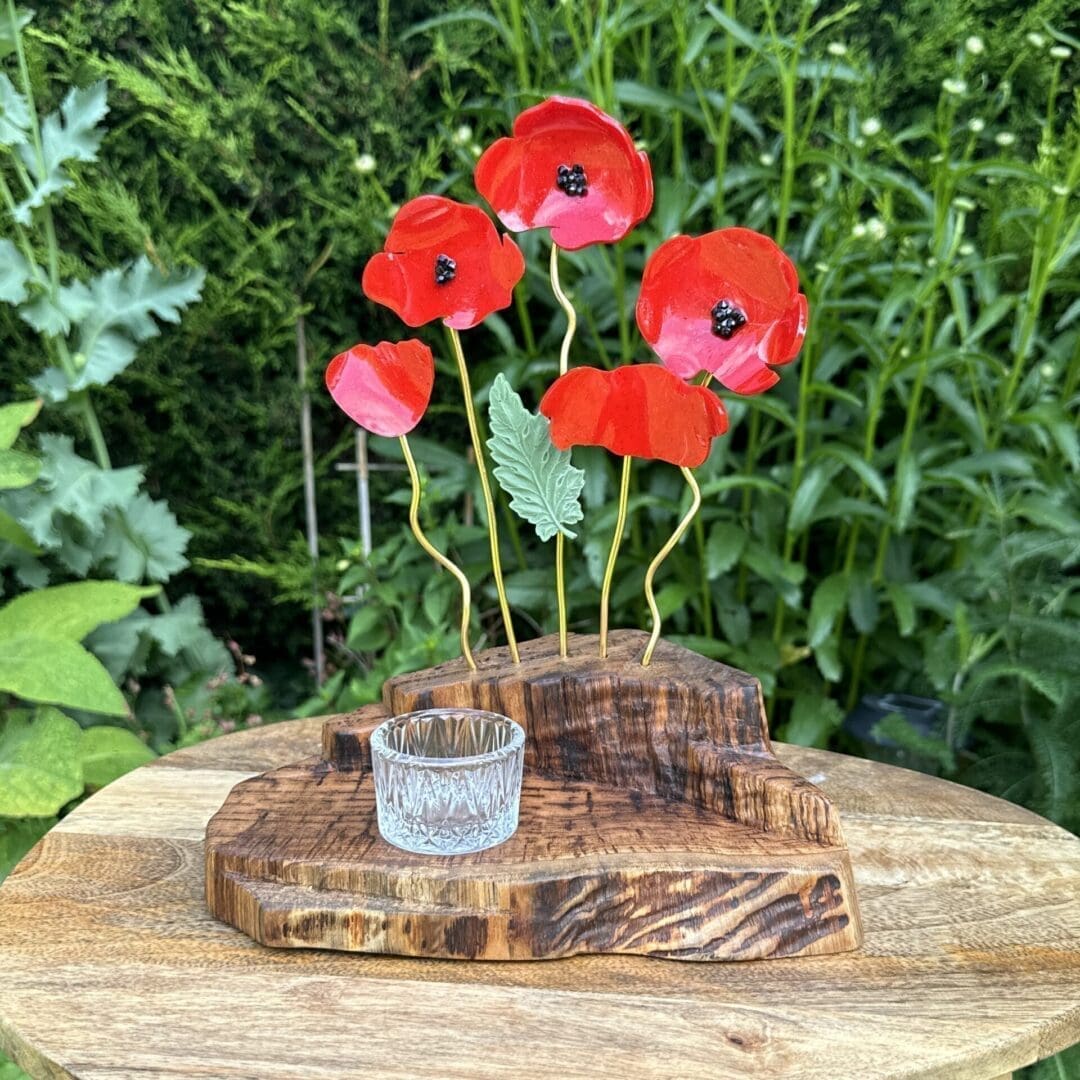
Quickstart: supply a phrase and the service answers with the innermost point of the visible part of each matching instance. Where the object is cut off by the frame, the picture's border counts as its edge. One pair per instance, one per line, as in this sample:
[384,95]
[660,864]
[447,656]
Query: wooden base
[654,819]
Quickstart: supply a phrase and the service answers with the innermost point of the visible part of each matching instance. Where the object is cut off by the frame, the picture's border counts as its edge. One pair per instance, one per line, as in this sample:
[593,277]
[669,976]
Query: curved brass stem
[560,591]
[437,555]
[564,303]
[564,364]
[485,487]
[616,540]
[661,555]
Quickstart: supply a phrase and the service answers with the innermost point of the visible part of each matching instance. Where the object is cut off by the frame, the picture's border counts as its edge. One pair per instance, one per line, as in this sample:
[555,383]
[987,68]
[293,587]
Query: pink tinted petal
[384,389]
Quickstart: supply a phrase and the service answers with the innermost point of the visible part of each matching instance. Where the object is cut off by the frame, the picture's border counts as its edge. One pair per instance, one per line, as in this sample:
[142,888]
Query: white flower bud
[1060,52]
[870,126]
[836,48]
[954,86]
[1005,138]
[976,124]
[1036,40]
[974,45]
[365,164]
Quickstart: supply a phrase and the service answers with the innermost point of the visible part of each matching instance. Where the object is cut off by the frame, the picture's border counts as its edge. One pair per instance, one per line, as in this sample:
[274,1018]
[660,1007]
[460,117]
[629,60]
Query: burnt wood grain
[655,819]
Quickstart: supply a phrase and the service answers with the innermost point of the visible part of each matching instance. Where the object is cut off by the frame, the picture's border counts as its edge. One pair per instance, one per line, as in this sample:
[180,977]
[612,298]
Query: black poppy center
[571,180]
[726,319]
[445,269]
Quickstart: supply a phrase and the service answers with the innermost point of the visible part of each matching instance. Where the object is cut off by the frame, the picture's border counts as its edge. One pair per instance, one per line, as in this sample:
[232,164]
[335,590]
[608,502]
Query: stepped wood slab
[654,819]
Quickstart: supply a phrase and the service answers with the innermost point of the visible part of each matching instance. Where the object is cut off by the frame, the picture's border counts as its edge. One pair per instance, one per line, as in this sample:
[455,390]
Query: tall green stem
[661,555]
[613,554]
[485,487]
[436,554]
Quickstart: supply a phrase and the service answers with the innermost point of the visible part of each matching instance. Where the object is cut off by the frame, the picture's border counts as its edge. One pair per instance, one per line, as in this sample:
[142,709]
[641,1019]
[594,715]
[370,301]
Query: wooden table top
[111,966]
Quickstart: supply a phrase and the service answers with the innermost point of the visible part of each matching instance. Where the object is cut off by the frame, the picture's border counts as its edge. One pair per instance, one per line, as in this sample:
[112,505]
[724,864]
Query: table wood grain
[111,967]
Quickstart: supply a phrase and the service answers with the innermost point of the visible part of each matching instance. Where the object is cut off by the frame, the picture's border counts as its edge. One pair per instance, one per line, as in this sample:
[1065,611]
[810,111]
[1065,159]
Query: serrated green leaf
[14,417]
[725,544]
[71,134]
[70,611]
[70,485]
[14,112]
[109,752]
[143,541]
[14,273]
[544,488]
[40,769]
[828,601]
[114,312]
[17,470]
[58,672]
[55,316]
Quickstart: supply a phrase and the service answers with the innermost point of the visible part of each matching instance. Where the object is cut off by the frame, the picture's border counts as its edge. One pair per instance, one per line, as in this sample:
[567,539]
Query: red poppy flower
[385,388]
[571,168]
[728,303]
[443,260]
[642,410]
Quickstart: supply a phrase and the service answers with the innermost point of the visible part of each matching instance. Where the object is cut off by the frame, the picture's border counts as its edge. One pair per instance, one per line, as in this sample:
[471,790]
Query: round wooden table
[110,965]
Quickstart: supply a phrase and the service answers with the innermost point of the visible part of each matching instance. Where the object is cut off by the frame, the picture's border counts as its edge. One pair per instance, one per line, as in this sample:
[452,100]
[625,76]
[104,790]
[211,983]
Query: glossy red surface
[517,175]
[687,276]
[385,388]
[402,275]
[642,410]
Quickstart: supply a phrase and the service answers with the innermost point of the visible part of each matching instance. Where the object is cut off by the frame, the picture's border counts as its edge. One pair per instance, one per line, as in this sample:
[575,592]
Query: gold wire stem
[436,554]
[564,303]
[485,487]
[564,363]
[661,555]
[616,540]
[560,592]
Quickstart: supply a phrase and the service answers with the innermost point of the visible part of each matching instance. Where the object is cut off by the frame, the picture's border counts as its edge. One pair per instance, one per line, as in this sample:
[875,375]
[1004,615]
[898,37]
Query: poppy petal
[443,260]
[642,411]
[519,176]
[384,388]
[728,303]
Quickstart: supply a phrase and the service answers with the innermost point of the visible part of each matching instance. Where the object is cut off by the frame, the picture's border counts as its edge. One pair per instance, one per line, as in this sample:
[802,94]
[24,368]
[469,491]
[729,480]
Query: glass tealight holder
[447,781]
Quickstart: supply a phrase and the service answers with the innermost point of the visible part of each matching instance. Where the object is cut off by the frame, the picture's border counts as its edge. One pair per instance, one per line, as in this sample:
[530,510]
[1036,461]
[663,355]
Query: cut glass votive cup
[447,781]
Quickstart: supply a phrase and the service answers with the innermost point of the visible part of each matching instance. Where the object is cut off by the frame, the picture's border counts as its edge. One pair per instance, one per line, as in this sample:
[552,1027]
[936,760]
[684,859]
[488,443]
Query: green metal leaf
[40,769]
[544,488]
[58,672]
[70,611]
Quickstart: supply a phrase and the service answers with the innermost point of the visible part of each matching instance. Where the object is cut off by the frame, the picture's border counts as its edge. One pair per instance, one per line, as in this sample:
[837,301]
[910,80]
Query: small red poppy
[642,410]
[443,260]
[728,303]
[571,168]
[385,388]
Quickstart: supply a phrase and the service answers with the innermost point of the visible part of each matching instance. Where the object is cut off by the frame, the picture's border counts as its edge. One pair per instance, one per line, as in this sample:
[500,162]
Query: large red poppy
[571,168]
[728,303]
[443,260]
[385,388]
[641,410]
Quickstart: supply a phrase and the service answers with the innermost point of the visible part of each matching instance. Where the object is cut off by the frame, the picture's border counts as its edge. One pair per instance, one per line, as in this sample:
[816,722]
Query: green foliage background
[902,513]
